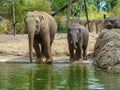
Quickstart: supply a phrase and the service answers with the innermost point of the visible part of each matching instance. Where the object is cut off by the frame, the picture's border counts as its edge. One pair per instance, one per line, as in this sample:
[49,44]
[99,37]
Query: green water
[56,77]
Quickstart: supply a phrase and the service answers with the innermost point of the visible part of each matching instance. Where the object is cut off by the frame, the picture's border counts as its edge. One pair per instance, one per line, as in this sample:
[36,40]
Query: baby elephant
[77,36]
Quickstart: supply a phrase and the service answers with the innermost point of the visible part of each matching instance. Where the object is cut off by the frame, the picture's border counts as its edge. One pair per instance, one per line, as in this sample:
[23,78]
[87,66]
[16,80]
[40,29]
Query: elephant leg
[51,49]
[48,54]
[42,50]
[79,51]
[38,53]
[71,50]
[77,54]
[85,52]
[47,48]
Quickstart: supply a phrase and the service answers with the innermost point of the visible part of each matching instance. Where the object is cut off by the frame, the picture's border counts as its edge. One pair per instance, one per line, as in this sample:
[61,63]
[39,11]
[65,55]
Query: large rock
[112,22]
[107,50]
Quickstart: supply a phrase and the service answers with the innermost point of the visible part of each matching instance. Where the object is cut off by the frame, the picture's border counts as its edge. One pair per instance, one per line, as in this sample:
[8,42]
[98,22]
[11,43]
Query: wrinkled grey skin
[41,29]
[111,23]
[77,36]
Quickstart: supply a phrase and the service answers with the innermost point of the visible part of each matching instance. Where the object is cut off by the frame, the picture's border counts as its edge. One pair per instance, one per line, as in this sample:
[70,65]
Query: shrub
[3,28]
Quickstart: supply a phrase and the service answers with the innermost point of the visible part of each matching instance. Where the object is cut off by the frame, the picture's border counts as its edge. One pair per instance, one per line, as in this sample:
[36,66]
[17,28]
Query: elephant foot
[43,56]
[84,58]
[71,60]
[39,61]
[80,60]
[77,59]
[49,61]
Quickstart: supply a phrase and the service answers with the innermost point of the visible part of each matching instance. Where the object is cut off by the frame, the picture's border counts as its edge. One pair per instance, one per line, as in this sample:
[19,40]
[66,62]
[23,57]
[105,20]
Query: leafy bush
[3,28]
[23,6]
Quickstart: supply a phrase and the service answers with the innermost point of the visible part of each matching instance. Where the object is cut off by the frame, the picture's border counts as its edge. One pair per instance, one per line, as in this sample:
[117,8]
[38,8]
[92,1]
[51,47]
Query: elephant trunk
[75,45]
[31,37]
[75,42]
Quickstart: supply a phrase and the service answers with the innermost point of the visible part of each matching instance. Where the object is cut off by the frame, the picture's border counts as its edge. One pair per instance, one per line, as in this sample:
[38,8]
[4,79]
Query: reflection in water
[41,78]
[12,77]
[78,78]
[109,80]
[56,77]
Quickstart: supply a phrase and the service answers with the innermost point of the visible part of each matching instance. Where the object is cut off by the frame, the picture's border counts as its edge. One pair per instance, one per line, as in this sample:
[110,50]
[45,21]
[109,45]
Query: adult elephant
[77,36]
[41,29]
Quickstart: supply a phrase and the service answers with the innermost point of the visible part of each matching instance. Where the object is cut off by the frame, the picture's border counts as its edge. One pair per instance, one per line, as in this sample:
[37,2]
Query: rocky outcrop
[107,50]
[112,22]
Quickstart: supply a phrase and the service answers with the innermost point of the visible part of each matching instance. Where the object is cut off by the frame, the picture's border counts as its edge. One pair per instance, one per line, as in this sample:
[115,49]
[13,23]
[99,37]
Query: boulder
[107,50]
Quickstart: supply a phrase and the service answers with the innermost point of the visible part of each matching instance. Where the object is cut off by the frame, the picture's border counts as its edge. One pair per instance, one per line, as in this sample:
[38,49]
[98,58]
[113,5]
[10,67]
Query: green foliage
[116,9]
[61,24]
[3,28]
[20,28]
[57,4]
[75,9]
[29,5]
[23,6]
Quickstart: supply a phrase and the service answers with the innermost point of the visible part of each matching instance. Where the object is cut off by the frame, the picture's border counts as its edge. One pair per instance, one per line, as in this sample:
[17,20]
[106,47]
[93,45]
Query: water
[56,77]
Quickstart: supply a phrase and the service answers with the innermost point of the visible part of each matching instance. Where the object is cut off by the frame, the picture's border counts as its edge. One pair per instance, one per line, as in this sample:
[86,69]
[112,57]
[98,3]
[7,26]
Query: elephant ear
[28,14]
[42,19]
[79,32]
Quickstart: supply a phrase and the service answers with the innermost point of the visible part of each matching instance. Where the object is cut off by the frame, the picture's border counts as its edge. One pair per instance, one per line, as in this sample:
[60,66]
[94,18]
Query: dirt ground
[17,46]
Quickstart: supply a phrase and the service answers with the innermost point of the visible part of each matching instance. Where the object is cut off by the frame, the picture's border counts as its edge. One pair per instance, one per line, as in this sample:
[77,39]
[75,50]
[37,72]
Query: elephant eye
[37,22]
[37,26]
